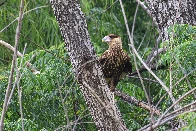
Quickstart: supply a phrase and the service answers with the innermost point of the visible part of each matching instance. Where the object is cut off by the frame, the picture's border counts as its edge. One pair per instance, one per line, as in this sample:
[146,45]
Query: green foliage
[17,126]
[41,99]
[38,26]
[181,46]
[191,119]
[181,55]
[105,17]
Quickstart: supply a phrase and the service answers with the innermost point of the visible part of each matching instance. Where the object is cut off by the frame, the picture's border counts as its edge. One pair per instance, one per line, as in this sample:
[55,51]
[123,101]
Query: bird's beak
[106,39]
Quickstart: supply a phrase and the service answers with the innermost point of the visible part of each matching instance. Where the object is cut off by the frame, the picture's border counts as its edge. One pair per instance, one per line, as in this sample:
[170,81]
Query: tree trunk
[86,67]
[168,12]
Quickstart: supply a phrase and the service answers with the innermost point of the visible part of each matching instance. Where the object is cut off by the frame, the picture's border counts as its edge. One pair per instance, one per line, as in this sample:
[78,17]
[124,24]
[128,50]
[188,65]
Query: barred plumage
[114,61]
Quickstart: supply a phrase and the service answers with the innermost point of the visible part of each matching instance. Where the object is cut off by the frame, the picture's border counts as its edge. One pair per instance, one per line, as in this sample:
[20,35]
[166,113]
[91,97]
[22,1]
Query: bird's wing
[128,65]
[103,57]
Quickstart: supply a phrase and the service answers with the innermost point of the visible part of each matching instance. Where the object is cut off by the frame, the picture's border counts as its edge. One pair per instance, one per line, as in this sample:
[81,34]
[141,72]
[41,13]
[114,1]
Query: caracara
[114,61]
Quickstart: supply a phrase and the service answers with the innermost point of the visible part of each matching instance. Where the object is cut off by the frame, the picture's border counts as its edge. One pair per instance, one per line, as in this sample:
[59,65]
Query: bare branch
[28,64]
[146,79]
[152,67]
[166,117]
[13,65]
[182,109]
[186,75]
[134,101]
[64,106]
[143,6]
[151,127]
[20,88]
[9,47]
[152,54]
[138,56]
[110,6]
[176,102]
[135,61]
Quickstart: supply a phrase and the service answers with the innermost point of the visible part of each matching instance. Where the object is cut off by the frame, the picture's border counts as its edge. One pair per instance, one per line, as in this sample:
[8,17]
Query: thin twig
[147,128]
[176,102]
[13,65]
[163,117]
[153,54]
[152,67]
[48,51]
[143,6]
[135,61]
[138,56]
[182,109]
[28,64]
[64,106]
[142,40]
[109,6]
[146,79]
[134,52]
[20,88]
[23,15]
[186,75]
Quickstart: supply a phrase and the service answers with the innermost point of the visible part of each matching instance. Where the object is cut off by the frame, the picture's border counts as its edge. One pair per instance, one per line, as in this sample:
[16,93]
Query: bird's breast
[114,63]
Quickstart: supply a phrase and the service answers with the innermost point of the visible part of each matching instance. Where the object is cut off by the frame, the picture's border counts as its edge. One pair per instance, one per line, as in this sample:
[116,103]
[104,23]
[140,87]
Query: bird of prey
[114,61]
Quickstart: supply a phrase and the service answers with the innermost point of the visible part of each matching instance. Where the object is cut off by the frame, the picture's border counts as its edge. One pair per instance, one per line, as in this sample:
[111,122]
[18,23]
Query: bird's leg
[113,83]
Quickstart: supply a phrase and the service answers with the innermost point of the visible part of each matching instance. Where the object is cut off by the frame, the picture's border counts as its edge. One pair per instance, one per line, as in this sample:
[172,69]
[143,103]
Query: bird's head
[112,40]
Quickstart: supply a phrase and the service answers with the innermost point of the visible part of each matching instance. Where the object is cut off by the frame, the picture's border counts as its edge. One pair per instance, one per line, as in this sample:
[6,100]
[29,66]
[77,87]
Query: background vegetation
[52,99]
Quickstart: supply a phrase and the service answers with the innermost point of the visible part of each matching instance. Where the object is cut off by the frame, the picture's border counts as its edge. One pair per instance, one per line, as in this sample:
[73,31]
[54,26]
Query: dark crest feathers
[113,36]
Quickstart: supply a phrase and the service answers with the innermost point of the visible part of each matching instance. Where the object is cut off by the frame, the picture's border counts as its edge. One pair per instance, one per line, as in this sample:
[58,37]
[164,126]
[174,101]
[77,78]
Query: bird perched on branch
[114,61]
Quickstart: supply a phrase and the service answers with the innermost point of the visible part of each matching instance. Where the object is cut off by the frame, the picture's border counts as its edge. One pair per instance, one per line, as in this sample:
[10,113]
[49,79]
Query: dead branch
[165,117]
[153,50]
[139,57]
[152,67]
[145,79]
[151,127]
[17,36]
[134,101]
[182,109]
[135,62]
[28,64]
[9,47]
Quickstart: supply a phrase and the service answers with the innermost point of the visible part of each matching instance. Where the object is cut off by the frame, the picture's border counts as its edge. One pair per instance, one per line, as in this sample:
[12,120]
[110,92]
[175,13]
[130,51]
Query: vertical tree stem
[17,36]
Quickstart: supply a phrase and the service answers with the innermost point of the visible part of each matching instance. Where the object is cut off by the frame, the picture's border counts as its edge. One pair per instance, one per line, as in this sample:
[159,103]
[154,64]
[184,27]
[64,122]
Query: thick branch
[134,101]
[86,68]
[166,13]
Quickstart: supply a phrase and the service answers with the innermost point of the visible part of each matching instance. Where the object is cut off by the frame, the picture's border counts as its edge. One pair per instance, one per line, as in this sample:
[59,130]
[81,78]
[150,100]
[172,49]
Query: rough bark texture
[87,70]
[168,12]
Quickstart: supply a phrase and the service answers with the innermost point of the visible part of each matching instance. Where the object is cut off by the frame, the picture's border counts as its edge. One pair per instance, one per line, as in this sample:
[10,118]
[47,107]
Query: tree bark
[168,12]
[86,67]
